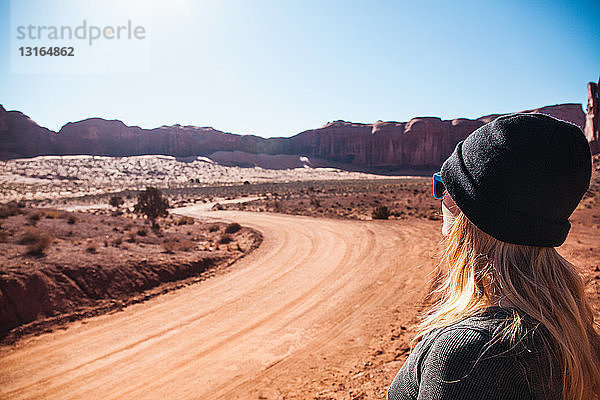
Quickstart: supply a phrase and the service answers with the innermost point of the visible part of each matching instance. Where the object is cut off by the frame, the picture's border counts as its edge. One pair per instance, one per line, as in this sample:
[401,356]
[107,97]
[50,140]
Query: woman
[512,320]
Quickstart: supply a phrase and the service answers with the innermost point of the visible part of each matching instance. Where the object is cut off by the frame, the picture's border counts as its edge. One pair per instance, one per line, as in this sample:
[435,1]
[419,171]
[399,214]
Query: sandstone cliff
[22,137]
[421,143]
[592,123]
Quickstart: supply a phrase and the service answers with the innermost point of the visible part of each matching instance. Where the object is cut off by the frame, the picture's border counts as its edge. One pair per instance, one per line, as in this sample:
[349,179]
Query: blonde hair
[535,281]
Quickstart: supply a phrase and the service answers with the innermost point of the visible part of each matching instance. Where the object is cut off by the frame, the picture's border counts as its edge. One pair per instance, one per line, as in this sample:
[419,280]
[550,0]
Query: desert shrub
[4,236]
[225,239]
[233,227]
[185,221]
[51,214]
[116,201]
[213,228]
[117,241]
[33,218]
[315,202]
[142,232]
[217,206]
[277,205]
[91,247]
[156,230]
[381,212]
[37,241]
[71,220]
[30,235]
[152,204]
[434,217]
[173,245]
[9,209]
[131,237]
[39,247]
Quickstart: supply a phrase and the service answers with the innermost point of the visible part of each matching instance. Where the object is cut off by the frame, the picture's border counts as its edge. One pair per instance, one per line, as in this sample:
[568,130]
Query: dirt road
[314,283]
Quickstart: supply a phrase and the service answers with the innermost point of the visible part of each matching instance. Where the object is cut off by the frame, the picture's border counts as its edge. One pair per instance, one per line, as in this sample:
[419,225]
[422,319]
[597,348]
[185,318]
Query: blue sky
[276,68]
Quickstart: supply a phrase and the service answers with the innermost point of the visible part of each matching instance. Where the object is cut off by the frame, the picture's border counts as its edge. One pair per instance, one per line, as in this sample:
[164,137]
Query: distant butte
[384,146]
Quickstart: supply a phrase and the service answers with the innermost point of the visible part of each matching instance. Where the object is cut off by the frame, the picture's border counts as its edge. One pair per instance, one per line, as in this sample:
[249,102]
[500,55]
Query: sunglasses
[438,186]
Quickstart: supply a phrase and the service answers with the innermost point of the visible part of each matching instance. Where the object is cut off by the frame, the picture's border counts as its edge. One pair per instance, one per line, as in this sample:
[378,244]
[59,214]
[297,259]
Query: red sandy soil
[98,263]
[324,309]
[405,198]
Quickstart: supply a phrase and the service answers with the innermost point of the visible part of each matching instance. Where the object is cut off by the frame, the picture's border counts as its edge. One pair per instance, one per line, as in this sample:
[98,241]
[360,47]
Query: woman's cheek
[448,220]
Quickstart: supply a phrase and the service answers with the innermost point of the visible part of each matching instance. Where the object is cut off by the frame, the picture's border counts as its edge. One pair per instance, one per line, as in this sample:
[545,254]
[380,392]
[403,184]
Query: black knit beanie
[520,177]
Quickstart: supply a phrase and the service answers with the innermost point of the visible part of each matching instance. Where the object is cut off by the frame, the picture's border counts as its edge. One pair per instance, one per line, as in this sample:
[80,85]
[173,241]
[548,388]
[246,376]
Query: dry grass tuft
[52,214]
[33,218]
[9,209]
[37,241]
[173,245]
[185,221]
[131,237]
[4,236]
[91,247]
[381,212]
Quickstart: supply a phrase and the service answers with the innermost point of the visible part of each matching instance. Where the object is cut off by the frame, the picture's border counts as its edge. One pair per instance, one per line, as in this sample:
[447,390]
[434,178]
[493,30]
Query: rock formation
[22,137]
[421,143]
[592,121]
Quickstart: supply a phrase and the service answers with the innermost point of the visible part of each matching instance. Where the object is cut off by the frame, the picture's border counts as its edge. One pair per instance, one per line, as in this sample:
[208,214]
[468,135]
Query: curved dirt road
[313,282]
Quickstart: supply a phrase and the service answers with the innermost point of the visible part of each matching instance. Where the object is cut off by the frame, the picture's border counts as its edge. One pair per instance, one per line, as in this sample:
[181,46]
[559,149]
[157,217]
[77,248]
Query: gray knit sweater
[470,360]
